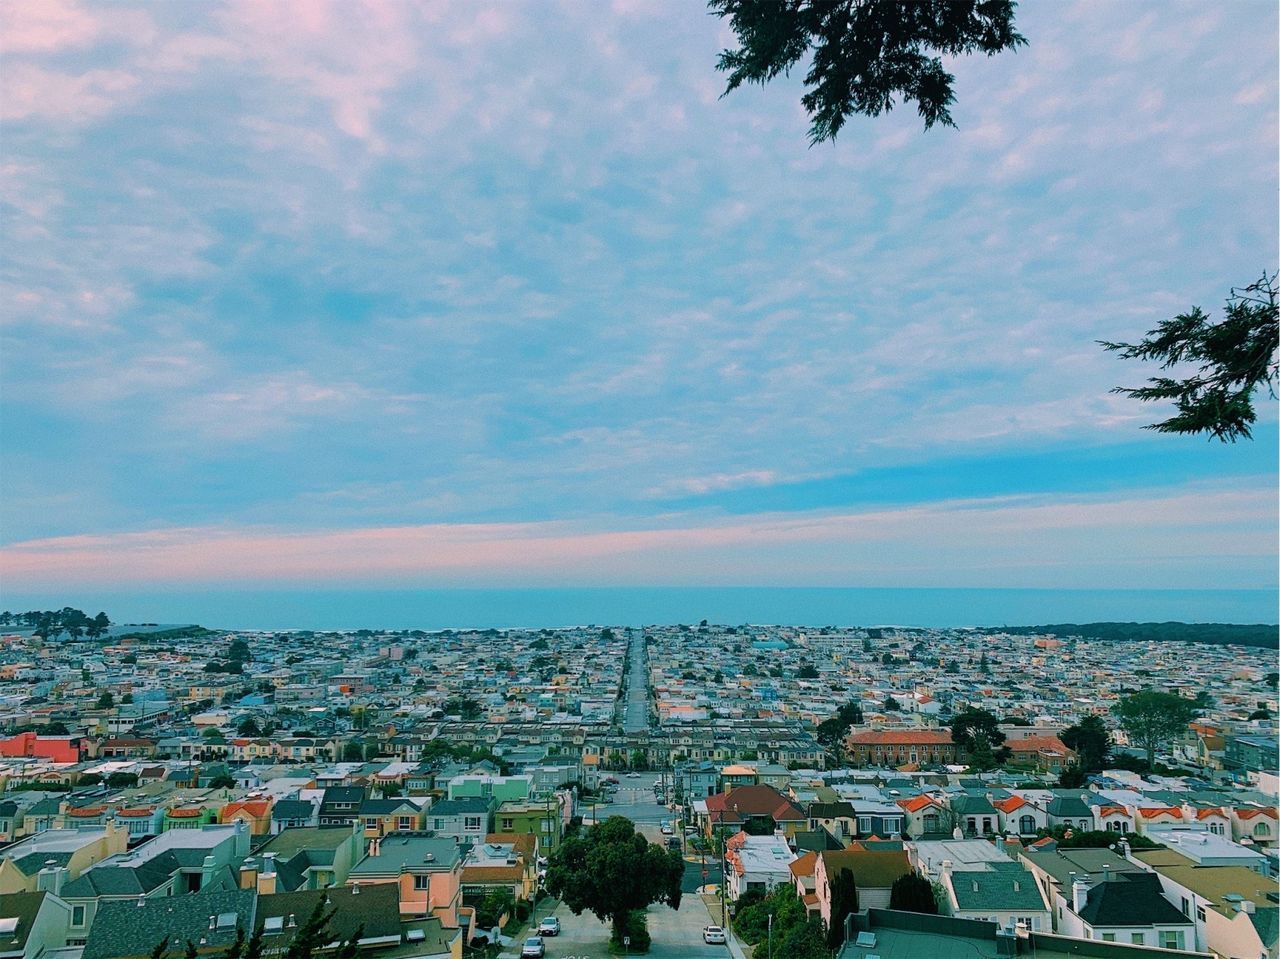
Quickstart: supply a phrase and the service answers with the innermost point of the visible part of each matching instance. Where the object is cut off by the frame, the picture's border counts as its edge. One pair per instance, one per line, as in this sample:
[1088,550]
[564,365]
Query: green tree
[802,941]
[1090,740]
[911,892]
[751,922]
[350,947]
[249,727]
[611,870]
[891,705]
[1152,718]
[253,948]
[236,949]
[981,756]
[844,901]
[969,725]
[313,935]
[160,949]
[106,700]
[866,53]
[190,951]
[1233,358]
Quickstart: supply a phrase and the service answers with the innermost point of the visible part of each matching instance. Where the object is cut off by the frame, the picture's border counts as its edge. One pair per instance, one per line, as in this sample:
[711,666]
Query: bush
[634,927]
[523,910]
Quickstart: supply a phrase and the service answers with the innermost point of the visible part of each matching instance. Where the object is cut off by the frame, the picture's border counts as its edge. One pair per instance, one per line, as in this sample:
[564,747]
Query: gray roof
[124,929]
[1000,887]
[461,806]
[1130,899]
[411,852]
[23,906]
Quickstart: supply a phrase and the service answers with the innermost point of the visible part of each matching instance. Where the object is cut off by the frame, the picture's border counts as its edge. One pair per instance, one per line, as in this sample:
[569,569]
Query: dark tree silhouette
[866,53]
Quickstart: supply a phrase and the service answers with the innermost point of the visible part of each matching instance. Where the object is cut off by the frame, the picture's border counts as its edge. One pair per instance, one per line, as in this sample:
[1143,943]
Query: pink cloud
[946,543]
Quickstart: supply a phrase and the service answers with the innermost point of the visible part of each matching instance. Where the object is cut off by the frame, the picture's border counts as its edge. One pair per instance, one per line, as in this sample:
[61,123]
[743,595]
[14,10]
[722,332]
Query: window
[1108,937]
[1200,913]
[439,824]
[1171,939]
[77,915]
[1262,829]
[1186,907]
[1139,939]
[471,823]
[864,825]
[508,824]
[404,822]
[371,822]
[421,882]
[546,825]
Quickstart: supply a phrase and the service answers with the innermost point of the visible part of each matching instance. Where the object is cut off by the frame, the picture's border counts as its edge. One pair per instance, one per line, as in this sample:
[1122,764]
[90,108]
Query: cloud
[1015,541]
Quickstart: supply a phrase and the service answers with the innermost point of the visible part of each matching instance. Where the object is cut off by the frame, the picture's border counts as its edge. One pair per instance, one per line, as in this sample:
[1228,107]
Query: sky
[396,294]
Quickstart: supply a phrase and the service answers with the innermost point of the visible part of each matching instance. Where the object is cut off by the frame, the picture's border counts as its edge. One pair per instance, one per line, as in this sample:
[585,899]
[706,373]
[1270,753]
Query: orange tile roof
[1249,812]
[902,737]
[804,866]
[916,803]
[1152,812]
[1010,804]
[1206,813]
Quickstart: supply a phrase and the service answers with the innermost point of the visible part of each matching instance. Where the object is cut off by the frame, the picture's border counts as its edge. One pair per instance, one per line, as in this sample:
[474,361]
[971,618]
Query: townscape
[846,790]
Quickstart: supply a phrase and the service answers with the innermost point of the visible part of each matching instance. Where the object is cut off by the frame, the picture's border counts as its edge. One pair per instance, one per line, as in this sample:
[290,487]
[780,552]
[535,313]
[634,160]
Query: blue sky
[505,294]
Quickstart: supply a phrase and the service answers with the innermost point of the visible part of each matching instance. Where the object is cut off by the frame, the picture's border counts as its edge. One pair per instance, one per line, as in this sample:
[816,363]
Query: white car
[533,948]
[667,830]
[633,775]
[549,926]
[713,935]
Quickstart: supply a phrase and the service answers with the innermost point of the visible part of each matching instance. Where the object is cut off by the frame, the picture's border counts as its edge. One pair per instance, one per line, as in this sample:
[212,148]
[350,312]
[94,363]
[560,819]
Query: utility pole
[770,952]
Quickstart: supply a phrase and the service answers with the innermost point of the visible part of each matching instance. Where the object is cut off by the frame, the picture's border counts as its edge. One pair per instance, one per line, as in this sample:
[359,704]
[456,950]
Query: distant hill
[1218,634]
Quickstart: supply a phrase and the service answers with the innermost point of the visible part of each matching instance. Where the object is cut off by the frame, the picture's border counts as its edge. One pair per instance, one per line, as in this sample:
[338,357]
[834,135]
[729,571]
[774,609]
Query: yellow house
[72,850]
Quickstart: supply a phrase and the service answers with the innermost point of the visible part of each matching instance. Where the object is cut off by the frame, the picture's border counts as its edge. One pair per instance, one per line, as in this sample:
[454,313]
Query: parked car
[667,830]
[713,935]
[633,775]
[533,948]
[550,926]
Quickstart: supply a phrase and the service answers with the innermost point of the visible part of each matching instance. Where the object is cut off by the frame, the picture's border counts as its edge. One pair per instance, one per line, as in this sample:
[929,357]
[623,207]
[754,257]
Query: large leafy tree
[1090,740]
[611,870]
[1152,718]
[867,54]
[802,941]
[978,731]
[1233,358]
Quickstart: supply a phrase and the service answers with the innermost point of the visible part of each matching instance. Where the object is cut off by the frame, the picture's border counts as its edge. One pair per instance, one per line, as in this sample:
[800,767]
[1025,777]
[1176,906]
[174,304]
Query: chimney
[945,872]
[1124,848]
[1248,907]
[1079,893]
[249,874]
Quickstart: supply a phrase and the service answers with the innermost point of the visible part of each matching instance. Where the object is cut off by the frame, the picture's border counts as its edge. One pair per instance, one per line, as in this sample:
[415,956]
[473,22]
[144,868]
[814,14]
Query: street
[676,934]
[635,716]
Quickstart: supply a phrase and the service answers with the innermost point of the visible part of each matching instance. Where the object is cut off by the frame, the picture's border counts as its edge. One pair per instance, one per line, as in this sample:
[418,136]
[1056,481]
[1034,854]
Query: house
[731,811]
[902,747]
[293,813]
[837,818]
[176,863]
[756,864]
[1114,818]
[974,814]
[540,819]
[802,877]
[1045,754]
[1002,892]
[1070,810]
[254,812]
[308,857]
[426,869]
[58,749]
[876,867]
[129,929]
[61,853]
[1099,894]
[925,815]
[885,933]
[381,816]
[1255,823]
[503,861]
[466,820]
[340,805]
[372,911]
[32,924]
[1234,909]
[1020,816]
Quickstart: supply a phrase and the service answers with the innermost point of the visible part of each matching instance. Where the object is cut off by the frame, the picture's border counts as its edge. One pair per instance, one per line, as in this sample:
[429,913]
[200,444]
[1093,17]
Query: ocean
[633,606]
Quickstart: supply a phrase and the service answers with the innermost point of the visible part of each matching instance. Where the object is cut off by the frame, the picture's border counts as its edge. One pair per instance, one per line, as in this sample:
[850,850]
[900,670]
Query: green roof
[1005,887]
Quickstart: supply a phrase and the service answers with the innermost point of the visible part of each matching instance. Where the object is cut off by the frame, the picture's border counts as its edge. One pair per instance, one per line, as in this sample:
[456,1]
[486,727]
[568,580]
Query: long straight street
[635,712]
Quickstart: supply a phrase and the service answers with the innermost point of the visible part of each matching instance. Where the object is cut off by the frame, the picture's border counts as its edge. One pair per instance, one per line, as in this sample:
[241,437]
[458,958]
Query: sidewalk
[712,904]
